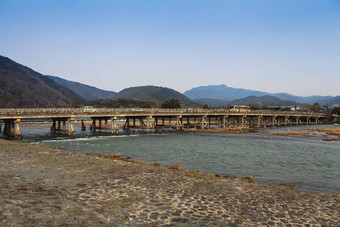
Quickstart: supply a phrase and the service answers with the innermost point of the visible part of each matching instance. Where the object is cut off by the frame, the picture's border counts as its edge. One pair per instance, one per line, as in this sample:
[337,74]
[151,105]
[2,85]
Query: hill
[20,86]
[154,94]
[83,90]
[265,100]
[229,93]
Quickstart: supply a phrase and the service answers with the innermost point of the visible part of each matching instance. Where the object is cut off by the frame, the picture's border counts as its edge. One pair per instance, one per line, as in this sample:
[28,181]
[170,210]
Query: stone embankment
[41,186]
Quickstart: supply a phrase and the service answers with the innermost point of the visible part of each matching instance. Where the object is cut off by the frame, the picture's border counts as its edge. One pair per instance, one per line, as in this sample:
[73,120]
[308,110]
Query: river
[305,162]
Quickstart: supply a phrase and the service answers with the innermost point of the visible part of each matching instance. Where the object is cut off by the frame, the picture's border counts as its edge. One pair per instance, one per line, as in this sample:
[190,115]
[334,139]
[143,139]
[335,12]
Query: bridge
[114,119]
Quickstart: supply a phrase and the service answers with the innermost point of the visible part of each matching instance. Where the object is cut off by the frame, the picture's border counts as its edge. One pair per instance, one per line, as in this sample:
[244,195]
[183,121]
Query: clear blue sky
[269,45]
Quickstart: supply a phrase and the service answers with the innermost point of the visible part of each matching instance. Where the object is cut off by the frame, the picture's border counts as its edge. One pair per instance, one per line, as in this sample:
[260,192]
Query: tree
[315,107]
[173,103]
[147,105]
[336,110]
[205,106]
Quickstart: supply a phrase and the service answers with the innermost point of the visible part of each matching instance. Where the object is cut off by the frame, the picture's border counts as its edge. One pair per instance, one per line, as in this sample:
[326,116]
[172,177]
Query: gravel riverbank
[42,186]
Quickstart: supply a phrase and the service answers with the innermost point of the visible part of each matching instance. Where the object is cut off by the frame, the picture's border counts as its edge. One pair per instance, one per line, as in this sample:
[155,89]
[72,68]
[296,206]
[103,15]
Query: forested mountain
[21,86]
[83,90]
[154,94]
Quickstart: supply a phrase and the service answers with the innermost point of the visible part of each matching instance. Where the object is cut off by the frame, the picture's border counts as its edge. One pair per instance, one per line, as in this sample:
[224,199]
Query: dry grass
[155,164]
[336,195]
[329,131]
[225,130]
[249,179]
[210,175]
[176,166]
[289,133]
[331,139]
[117,156]
[35,125]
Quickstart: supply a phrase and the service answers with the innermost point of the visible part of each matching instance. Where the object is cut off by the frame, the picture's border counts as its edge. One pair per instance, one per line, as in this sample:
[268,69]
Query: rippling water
[308,163]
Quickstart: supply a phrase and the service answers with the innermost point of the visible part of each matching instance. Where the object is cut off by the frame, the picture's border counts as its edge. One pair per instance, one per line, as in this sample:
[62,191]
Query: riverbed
[305,162]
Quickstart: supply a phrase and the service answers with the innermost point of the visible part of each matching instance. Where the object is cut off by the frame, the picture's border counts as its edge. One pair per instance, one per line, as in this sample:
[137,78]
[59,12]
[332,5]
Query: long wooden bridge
[152,119]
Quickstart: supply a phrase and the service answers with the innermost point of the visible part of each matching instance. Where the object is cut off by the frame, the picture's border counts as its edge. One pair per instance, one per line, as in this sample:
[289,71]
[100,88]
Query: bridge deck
[179,119]
[36,113]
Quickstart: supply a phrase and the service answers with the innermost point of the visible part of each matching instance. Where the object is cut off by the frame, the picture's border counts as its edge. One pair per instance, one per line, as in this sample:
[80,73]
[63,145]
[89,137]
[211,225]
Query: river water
[307,163]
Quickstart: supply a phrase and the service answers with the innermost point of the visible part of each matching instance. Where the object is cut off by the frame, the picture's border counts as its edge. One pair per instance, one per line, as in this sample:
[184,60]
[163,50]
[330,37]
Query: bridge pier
[114,127]
[179,123]
[100,126]
[59,125]
[83,126]
[12,128]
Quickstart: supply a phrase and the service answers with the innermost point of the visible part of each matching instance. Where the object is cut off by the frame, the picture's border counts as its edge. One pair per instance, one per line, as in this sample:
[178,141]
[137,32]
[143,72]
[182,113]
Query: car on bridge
[89,109]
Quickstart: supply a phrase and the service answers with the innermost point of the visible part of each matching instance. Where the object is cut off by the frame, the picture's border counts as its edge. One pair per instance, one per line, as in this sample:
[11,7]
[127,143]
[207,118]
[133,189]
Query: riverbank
[44,186]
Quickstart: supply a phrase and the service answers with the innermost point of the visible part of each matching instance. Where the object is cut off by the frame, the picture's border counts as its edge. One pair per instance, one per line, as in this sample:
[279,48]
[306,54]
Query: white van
[89,109]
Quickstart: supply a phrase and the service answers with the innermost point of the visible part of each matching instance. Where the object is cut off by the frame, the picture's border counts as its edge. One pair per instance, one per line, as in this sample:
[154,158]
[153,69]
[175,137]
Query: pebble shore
[42,186]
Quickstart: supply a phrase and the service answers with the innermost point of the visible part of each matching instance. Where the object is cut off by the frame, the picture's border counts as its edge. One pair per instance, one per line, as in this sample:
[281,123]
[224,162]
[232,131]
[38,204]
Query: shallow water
[307,163]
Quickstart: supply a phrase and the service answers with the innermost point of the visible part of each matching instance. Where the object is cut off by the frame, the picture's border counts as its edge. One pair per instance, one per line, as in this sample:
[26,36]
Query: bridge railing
[99,111]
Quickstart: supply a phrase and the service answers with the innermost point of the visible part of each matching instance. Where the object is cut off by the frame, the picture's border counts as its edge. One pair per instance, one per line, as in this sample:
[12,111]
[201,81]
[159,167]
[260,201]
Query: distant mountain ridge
[266,100]
[21,86]
[212,102]
[229,94]
[154,94]
[221,92]
[83,90]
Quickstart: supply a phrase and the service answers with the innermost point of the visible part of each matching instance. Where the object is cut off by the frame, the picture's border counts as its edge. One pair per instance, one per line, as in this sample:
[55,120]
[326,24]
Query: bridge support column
[275,121]
[259,121]
[64,128]
[264,122]
[179,123]
[12,128]
[114,127]
[223,121]
[70,130]
[83,127]
[203,122]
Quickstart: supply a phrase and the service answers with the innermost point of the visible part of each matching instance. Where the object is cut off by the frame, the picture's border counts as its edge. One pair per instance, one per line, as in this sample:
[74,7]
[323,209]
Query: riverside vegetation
[328,134]
[43,186]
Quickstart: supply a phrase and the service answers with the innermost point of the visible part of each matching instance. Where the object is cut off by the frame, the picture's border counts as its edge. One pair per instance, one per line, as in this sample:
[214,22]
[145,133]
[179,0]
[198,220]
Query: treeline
[129,103]
[120,103]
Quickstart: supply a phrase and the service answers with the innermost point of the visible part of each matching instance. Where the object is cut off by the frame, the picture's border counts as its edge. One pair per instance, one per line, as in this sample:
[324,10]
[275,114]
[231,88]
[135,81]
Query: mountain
[301,99]
[153,94]
[228,93]
[212,102]
[20,87]
[221,92]
[83,90]
[330,101]
[265,100]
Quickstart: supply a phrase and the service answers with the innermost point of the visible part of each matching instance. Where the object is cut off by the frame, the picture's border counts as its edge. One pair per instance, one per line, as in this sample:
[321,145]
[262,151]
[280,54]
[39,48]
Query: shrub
[176,166]
[249,179]
[155,164]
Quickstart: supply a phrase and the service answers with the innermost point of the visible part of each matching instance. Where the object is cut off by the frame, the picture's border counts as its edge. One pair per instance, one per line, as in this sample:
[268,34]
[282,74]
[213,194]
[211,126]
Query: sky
[268,45]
